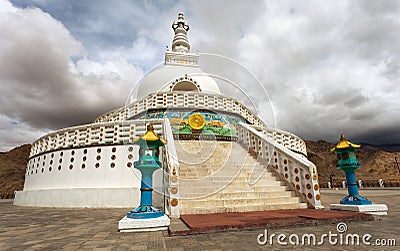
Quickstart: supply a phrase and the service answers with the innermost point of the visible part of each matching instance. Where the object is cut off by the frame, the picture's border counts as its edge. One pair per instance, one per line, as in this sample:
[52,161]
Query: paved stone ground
[29,228]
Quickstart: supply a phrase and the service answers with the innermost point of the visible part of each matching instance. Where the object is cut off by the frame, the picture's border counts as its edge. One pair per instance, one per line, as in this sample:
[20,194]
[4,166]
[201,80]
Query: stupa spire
[180,43]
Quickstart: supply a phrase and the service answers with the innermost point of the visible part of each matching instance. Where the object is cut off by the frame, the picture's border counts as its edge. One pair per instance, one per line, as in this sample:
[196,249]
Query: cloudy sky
[328,66]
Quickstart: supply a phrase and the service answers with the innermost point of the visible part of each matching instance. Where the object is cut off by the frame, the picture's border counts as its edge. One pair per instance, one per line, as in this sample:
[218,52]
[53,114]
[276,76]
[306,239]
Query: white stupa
[215,148]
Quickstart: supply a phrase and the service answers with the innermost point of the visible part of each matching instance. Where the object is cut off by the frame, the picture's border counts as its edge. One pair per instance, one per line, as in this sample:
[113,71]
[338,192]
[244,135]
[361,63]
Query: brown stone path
[28,228]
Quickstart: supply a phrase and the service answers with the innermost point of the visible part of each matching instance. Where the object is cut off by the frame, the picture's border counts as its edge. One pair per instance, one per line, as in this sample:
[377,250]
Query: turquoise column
[148,162]
[352,186]
[347,162]
[146,189]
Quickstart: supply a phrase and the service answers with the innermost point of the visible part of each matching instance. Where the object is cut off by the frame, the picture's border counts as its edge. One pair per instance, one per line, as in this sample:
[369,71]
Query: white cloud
[327,68]
[41,87]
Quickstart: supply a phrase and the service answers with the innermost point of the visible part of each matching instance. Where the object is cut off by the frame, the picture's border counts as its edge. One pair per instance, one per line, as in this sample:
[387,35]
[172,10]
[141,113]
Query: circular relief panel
[174,190]
[174,202]
[174,178]
[197,121]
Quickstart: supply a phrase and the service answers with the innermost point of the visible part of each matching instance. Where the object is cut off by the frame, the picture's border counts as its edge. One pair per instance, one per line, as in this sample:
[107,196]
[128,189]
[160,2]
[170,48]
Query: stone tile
[30,228]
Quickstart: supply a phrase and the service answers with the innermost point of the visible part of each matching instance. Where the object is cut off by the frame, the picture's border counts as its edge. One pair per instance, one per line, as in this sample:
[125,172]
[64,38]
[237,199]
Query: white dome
[161,80]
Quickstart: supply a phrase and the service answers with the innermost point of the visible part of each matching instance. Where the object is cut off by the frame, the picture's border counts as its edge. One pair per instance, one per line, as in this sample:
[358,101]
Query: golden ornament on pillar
[174,177]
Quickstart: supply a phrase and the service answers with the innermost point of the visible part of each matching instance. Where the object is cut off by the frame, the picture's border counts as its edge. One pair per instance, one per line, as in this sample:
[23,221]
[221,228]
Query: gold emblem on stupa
[197,121]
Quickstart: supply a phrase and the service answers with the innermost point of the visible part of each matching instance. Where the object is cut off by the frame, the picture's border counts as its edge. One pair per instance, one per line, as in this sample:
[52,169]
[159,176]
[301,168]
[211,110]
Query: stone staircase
[221,177]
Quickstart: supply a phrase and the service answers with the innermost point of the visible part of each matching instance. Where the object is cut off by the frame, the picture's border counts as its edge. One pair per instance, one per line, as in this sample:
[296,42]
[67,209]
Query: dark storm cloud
[330,67]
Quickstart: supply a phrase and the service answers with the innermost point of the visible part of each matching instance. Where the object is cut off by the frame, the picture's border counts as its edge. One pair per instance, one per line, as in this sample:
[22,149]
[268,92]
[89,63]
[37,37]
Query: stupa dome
[181,71]
[177,78]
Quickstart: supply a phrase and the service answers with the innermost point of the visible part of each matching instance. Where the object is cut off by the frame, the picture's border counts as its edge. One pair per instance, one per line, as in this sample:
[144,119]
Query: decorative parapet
[165,100]
[106,133]
[297,171]
[171,173]
[185,59]
[286,139]
[193,100]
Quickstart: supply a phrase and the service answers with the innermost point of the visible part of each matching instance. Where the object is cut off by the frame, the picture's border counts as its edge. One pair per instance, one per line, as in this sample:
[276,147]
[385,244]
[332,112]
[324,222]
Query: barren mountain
[375,163]
[12,170]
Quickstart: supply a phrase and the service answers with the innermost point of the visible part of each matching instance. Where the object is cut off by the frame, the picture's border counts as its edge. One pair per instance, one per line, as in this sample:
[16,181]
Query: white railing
[195,100]
[203,101]
[171,173]
[300,173]
[106,133]
[286,139]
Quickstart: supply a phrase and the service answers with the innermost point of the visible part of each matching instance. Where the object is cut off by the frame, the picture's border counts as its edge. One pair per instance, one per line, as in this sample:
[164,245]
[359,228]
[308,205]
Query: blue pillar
[146,209]
[148,162]
[352,186]
[347,162]
[146,189]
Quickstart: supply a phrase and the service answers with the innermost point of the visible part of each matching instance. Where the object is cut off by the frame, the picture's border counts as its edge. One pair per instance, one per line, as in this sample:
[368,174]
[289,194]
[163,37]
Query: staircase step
[213,202]
[195,192]
[218,181]
[239,186]
[202,210]
[235,203]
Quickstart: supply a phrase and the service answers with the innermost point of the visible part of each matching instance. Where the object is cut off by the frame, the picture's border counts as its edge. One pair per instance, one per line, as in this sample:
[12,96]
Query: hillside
[375,163]
[12,170]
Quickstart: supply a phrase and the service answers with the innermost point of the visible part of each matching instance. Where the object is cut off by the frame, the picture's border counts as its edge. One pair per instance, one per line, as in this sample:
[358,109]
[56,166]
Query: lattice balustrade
[299,172]
[93,134]
[181,100]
